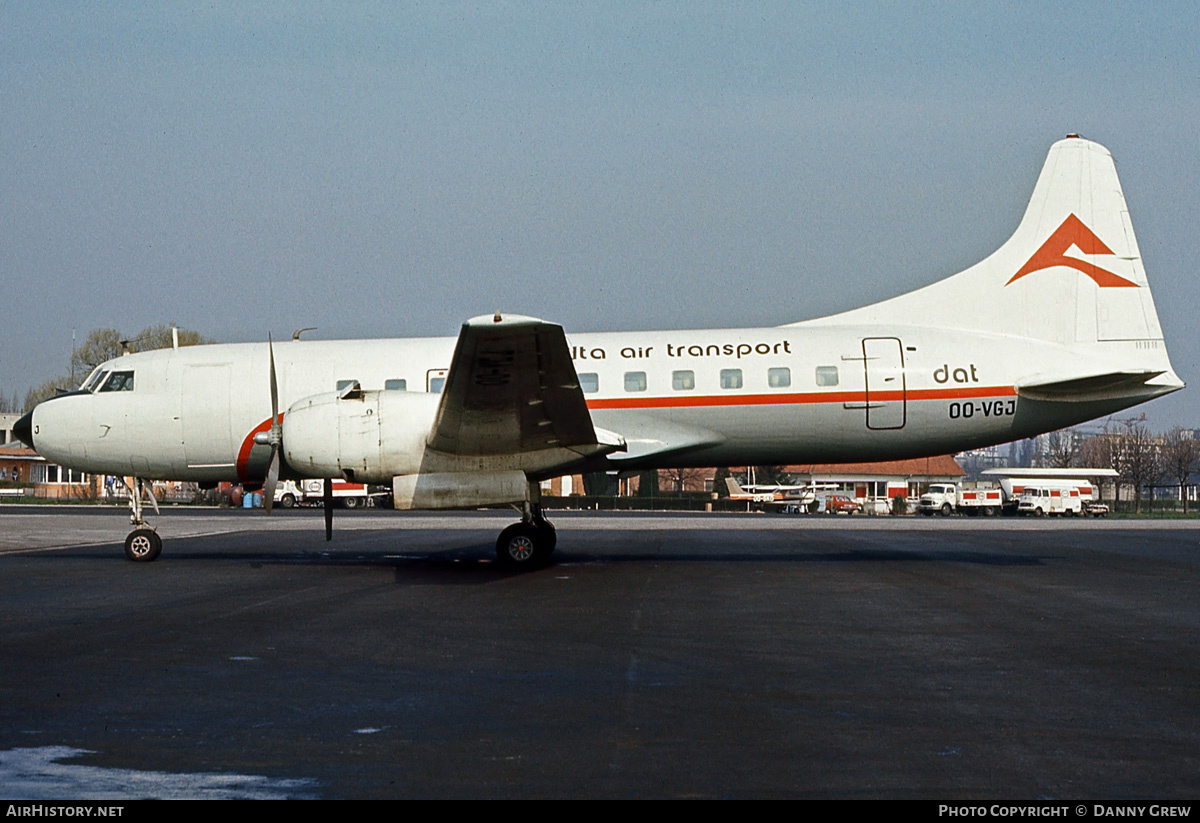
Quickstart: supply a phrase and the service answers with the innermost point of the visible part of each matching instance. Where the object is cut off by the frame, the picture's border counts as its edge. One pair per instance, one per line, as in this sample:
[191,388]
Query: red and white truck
[1052,498]
[1052,491]
[947,498]
[291,493]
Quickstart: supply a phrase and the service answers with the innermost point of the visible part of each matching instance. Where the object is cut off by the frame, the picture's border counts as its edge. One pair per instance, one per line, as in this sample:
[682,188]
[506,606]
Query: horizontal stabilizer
[1109,386]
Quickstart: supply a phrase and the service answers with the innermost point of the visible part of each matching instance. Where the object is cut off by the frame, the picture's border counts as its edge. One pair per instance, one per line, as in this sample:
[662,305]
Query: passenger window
[635,381]
[683,380]
[435,380]
[779,378]
[827,375]
[589,382]
[731,378]
[119,381]
[395,385]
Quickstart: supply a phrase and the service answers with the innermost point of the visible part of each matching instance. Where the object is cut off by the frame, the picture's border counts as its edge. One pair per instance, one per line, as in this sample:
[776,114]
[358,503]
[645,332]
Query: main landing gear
[527,544]
[143,543]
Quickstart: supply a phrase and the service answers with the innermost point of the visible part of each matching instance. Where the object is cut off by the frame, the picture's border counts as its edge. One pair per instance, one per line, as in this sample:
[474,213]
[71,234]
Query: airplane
[1054,328]
[776,494]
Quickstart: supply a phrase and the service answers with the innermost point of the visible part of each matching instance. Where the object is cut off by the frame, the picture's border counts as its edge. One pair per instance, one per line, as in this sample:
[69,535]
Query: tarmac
[660,655]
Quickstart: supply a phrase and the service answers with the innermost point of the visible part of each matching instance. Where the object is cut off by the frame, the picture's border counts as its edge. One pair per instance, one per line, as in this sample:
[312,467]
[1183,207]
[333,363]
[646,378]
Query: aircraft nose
[23,429]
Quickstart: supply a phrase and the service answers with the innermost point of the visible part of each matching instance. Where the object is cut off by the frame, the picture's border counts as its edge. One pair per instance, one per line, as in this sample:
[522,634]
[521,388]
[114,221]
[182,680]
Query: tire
[523,546]
[945,511]
[1038,512]
[143,545]
[548,535]
[990,511]
[288,501]
[350,502]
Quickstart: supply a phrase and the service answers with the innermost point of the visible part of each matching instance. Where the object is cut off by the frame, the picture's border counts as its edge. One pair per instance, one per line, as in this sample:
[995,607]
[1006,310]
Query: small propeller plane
[1054,328]
[777,494]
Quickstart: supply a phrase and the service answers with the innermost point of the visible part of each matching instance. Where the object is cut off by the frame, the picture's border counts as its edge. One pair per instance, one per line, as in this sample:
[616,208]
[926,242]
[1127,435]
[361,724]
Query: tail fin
[1071,273]
[735,488]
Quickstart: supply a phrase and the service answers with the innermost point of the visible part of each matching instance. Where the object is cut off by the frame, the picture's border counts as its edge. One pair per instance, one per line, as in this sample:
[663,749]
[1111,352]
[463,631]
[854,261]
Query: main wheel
[523,545]
[549,535]
[143,545]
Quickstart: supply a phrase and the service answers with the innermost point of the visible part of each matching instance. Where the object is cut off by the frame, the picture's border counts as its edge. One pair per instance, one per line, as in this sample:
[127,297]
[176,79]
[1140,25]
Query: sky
[392,169]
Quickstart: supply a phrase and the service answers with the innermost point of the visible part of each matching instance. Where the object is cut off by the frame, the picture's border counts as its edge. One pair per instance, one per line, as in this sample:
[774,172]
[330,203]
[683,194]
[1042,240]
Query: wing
[511,390]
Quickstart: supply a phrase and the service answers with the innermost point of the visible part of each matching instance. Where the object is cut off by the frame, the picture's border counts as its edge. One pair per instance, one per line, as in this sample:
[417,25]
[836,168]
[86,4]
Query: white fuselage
[789,394]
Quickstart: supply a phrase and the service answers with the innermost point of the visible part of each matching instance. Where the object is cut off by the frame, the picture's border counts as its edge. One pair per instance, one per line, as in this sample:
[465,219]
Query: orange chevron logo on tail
[1053,252]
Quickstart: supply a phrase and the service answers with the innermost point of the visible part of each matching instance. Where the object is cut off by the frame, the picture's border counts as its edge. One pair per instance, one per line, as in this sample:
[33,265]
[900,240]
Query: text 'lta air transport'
[1054,328]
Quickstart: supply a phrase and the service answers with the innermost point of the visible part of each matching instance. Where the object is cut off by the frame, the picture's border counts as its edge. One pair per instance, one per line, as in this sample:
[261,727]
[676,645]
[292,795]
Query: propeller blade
[274,385]
[276,430]
[271,481]
[328,500]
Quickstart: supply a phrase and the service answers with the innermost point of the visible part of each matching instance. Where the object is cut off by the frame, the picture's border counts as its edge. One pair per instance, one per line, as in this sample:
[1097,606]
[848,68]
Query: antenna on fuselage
[296,334]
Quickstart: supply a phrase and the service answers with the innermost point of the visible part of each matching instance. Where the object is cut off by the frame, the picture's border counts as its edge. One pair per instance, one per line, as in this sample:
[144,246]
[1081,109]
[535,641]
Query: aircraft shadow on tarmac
[412,555]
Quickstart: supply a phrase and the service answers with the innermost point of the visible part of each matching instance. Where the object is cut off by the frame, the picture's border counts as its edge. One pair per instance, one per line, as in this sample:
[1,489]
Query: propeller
[273,436]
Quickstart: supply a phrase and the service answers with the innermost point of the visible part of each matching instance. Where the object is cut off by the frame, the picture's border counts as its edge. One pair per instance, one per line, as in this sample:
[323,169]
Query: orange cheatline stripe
[701,401]
[243,458]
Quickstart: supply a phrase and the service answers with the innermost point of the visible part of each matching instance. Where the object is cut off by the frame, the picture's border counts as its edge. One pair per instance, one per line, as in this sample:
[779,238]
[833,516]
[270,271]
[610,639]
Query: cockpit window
[94,379]
[119,381]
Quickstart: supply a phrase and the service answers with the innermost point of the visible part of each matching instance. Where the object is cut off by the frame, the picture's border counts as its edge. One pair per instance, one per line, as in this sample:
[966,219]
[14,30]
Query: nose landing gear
[143,544]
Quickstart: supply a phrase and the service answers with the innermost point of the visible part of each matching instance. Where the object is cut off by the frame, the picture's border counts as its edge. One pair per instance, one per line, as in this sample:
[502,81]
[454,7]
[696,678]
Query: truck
[947,498]
[1070,492]
[1048,497]
[291,493]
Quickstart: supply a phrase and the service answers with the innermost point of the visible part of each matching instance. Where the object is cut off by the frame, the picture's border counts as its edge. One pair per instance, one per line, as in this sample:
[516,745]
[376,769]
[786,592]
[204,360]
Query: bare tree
[98,346]
[45,390]
[1061,449]
[1139,460]
[1180,454]
[684,480]
[105,344]
[9,403]
[1100,452]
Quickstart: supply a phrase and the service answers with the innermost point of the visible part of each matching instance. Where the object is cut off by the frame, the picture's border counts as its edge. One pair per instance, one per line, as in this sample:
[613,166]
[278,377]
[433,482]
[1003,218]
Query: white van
[1051,498]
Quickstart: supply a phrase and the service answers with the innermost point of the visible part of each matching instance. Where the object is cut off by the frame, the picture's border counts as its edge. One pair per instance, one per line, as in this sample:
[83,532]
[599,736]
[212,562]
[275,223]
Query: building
[875,484]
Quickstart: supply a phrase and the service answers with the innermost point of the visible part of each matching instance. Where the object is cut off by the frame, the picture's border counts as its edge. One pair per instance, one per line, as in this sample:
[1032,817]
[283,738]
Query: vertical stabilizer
[1071,273]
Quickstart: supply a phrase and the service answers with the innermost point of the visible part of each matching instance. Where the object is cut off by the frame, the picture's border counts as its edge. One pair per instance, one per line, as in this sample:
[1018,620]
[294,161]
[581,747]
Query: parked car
[840,504]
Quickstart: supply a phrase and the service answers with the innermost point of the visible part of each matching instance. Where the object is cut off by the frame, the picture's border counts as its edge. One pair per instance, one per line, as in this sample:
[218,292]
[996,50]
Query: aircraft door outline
[886,387]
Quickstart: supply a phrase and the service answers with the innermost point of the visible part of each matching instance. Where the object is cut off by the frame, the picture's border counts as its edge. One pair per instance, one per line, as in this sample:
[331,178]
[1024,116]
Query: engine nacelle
[366,436]
[459,490]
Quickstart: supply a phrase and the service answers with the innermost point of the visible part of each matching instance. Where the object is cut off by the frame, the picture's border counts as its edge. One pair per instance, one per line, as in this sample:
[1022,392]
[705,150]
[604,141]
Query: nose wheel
[143,544]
